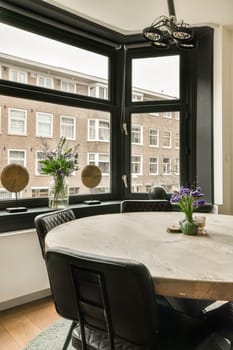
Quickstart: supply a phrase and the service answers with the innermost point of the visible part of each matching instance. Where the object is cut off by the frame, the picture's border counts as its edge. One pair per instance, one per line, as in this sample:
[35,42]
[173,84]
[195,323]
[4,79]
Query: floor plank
[21,324]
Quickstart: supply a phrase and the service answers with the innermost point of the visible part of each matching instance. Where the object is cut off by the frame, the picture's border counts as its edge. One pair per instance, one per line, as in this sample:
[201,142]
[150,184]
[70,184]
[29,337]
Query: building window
[166,166]
[17,121]
[44,124]
[73,191]
[167,115]
[98,130]
[45,82]
[68,127]
[153,166]
[97,90]
[137,97]
[177,140]
[154,137]
[177,166]
[4,194]
[16,156]
[40,192]
[39,156]
[68,86]
[136,188]
[136,134]
[167,139]
[136,165]
[101,160]
[18,76]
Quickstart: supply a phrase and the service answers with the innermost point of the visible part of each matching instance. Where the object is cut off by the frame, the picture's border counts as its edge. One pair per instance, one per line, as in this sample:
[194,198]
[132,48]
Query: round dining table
[199,267]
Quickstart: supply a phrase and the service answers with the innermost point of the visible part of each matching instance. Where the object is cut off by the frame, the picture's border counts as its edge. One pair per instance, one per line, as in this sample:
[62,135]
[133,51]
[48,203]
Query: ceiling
[130,16]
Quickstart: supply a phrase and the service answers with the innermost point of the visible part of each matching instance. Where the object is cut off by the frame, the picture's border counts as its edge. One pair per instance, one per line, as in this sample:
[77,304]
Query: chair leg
[68,337]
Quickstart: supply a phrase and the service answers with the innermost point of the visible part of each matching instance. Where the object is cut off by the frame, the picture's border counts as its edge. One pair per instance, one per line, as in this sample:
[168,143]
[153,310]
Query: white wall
[227,122]
[23,274]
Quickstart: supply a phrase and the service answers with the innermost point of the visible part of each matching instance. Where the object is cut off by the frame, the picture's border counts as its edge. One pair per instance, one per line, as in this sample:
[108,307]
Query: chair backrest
[145,205]
[46,222]
[114,296]
[157,192]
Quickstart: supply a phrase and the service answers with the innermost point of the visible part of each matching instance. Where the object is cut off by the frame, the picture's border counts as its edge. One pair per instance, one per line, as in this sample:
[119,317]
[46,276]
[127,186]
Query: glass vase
[59,193]
[189,227]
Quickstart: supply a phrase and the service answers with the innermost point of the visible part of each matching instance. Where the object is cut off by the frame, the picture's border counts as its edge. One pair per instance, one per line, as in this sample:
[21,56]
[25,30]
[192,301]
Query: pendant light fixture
[166,32]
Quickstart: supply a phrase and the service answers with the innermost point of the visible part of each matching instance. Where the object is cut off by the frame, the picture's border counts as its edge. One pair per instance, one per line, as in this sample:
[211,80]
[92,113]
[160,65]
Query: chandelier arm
[157,22]
[171,8]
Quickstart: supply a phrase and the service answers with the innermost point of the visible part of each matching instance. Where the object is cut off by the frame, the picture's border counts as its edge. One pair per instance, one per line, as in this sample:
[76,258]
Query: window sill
[25,220]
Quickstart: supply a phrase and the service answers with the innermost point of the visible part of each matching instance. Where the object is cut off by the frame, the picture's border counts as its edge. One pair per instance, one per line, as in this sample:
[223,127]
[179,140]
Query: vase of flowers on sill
[60,163]
[189,200]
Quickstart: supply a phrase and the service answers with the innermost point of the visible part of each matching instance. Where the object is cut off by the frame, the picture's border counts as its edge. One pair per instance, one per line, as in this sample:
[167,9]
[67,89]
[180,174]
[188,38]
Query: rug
[52,338]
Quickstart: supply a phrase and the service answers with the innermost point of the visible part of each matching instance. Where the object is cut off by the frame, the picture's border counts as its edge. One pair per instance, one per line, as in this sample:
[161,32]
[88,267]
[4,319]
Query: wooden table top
[198,267]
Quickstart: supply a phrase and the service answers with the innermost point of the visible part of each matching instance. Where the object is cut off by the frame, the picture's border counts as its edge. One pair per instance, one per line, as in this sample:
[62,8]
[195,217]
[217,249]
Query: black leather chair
[157,192]
[44,223]
[113,303]
[132,205]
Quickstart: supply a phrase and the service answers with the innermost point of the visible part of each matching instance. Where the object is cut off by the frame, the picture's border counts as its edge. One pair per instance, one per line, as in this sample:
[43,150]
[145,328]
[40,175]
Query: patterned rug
[52,338]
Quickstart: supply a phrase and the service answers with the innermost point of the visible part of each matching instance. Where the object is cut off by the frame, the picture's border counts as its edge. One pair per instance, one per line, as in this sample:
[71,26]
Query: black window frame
[196,65]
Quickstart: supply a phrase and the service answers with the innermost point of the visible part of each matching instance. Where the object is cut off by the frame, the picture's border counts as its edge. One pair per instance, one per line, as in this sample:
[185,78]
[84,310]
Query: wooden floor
[21,324]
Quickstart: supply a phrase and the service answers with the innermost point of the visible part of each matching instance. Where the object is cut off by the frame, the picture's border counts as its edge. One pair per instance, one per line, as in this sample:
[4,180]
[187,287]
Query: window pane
[44,124]
[165,84]
[16,157]
[17,121]
[98,130]
[136,134]
[30,149]
[63,67]
[68,127]
[156,160]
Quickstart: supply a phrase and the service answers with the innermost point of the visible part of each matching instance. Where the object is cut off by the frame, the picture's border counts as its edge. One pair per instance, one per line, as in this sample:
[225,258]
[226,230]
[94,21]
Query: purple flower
[188,199]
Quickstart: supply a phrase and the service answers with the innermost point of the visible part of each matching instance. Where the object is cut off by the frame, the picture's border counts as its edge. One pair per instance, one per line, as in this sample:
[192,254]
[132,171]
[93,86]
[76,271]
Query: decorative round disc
[14,177]
[91,176]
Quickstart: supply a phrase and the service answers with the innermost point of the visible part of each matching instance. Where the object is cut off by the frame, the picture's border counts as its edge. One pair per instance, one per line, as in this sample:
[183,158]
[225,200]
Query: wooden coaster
[174,229]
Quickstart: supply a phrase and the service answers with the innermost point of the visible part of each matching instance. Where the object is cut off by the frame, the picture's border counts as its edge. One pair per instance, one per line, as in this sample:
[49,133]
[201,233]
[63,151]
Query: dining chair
[113,303]
[131,205]
[44,223]
[157,192]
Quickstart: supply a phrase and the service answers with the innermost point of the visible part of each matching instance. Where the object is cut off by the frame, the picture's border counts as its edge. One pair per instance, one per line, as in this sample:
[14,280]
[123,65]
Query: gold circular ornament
[91,176]
[14,177]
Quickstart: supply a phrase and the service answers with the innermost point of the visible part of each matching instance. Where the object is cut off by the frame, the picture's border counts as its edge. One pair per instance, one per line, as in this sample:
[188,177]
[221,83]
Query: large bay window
[148,126]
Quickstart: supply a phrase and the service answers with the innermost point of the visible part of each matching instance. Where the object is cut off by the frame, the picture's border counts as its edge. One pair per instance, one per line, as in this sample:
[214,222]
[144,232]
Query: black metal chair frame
[104,296]
[44,223]
[131,205]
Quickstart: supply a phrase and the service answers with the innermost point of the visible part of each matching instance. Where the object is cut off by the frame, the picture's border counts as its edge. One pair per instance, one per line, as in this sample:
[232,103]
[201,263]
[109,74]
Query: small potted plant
[188,199]
[60,163]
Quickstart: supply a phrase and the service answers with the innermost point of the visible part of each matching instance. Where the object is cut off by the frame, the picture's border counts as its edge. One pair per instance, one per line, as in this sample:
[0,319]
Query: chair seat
[98,340]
